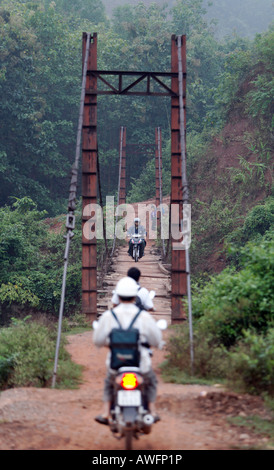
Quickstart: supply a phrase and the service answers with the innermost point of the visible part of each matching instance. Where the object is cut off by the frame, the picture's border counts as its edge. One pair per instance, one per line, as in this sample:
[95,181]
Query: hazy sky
[246,17]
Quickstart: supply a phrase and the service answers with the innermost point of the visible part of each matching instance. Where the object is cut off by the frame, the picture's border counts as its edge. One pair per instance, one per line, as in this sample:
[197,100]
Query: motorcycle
[130,416]
[136,241]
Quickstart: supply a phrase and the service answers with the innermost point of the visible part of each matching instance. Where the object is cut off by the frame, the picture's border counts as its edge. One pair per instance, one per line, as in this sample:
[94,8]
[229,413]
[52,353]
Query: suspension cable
[185,192]
[118,194]
[70,222]
[105,259]
[169,231]
[101,201]
[160,184]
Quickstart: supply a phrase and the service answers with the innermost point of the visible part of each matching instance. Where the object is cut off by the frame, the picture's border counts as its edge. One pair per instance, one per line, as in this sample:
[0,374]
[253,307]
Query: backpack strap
[134,319]
[115,316]
[131,324]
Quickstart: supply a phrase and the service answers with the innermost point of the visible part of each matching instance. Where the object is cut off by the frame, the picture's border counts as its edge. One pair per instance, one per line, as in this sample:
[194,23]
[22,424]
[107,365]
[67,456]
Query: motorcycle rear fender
[130,414]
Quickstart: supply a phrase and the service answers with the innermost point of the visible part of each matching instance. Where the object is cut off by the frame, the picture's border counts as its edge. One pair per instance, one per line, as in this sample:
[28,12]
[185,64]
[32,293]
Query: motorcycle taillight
[129,381]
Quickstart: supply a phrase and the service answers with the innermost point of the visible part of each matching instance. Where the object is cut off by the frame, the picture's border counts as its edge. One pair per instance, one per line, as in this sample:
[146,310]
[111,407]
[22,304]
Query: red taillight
[129,381]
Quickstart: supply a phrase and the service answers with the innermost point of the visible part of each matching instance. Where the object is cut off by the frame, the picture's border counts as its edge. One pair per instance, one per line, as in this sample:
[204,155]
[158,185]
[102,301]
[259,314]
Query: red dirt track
[46,419]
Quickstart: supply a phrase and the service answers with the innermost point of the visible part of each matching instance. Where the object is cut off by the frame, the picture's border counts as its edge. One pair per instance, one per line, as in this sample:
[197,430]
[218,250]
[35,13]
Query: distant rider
[137,228]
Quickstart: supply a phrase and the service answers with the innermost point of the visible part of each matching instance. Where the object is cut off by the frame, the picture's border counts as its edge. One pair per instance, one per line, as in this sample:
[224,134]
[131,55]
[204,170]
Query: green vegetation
[229,83]
[27,351]
[252,361]
[233,324]
[31,262]
[39,45]
[38,114]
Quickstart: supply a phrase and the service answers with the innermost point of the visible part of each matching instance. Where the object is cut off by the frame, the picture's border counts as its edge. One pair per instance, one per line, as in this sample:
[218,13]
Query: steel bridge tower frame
[90,156]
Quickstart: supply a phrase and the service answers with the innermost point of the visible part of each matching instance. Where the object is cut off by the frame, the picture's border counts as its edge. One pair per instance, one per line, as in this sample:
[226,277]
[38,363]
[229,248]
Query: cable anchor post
[185,192]
[68,237]
[70,220]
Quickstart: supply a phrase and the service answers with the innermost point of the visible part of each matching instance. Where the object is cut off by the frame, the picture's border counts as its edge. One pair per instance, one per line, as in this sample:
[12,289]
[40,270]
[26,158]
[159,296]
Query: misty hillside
[245,17]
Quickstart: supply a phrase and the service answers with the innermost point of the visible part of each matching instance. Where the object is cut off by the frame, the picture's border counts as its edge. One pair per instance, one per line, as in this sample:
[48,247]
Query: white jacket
[149,331]
[143,293]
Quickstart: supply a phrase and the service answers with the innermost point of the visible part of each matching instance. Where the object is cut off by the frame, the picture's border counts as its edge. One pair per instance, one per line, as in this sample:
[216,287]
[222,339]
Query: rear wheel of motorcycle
[128,440]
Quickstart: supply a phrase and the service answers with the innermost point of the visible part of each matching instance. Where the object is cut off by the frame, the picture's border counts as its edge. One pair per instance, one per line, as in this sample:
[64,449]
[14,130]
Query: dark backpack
[138,301]
[124,345]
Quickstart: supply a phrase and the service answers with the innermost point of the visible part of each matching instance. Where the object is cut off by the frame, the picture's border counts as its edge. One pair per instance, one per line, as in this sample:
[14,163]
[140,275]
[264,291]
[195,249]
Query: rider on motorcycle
[127,290]
[143,294]
[137,229]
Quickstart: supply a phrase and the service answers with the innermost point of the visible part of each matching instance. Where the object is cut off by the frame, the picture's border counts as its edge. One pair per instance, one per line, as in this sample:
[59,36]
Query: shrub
[27,351]
[16,293]
[6,366]
[235,301]
[252,363]
[209,358]
[258,222]
[233,324]
[259,101]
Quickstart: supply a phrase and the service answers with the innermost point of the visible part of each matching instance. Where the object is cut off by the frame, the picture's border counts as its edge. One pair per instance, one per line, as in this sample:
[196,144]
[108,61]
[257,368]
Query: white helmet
[136,220]
[127,287]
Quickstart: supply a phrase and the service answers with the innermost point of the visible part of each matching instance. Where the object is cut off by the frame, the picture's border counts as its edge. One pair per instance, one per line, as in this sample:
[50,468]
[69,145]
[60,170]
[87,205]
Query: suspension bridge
[172,283]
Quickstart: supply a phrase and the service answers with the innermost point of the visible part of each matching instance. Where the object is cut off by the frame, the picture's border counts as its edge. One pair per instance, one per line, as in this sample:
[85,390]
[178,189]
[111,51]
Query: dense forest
[229,148]
[40,53]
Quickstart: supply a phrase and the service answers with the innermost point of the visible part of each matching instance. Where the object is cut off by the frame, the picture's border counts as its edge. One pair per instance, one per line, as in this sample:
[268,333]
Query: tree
[40,89]
[92,10]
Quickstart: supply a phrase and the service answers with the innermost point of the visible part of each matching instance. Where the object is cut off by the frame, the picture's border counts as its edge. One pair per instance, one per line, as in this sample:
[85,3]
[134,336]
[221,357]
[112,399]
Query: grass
[260,426]
[75,330]
[69,375]
[177,376]
[75,325]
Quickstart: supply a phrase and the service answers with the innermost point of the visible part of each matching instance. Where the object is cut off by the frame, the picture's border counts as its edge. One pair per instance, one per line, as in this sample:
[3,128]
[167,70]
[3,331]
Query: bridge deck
[152,277]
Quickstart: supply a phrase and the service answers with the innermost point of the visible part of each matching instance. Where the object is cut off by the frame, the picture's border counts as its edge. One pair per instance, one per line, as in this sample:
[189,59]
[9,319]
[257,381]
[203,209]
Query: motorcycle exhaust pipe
[148,420]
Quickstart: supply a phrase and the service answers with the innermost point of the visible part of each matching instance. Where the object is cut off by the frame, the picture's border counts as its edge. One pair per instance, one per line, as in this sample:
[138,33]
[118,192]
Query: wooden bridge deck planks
[151,277]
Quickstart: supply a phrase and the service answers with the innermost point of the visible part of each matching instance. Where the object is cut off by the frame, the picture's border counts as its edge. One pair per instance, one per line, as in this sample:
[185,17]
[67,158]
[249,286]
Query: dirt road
[46,419]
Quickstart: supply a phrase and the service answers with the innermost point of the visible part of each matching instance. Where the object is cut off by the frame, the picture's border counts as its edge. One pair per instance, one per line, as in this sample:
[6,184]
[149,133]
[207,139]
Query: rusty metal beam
[178,259]
[89,185]
[147,77]
[122,193]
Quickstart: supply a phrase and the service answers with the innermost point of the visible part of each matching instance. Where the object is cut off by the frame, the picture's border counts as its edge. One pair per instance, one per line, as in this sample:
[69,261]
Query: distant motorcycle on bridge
[135,246]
